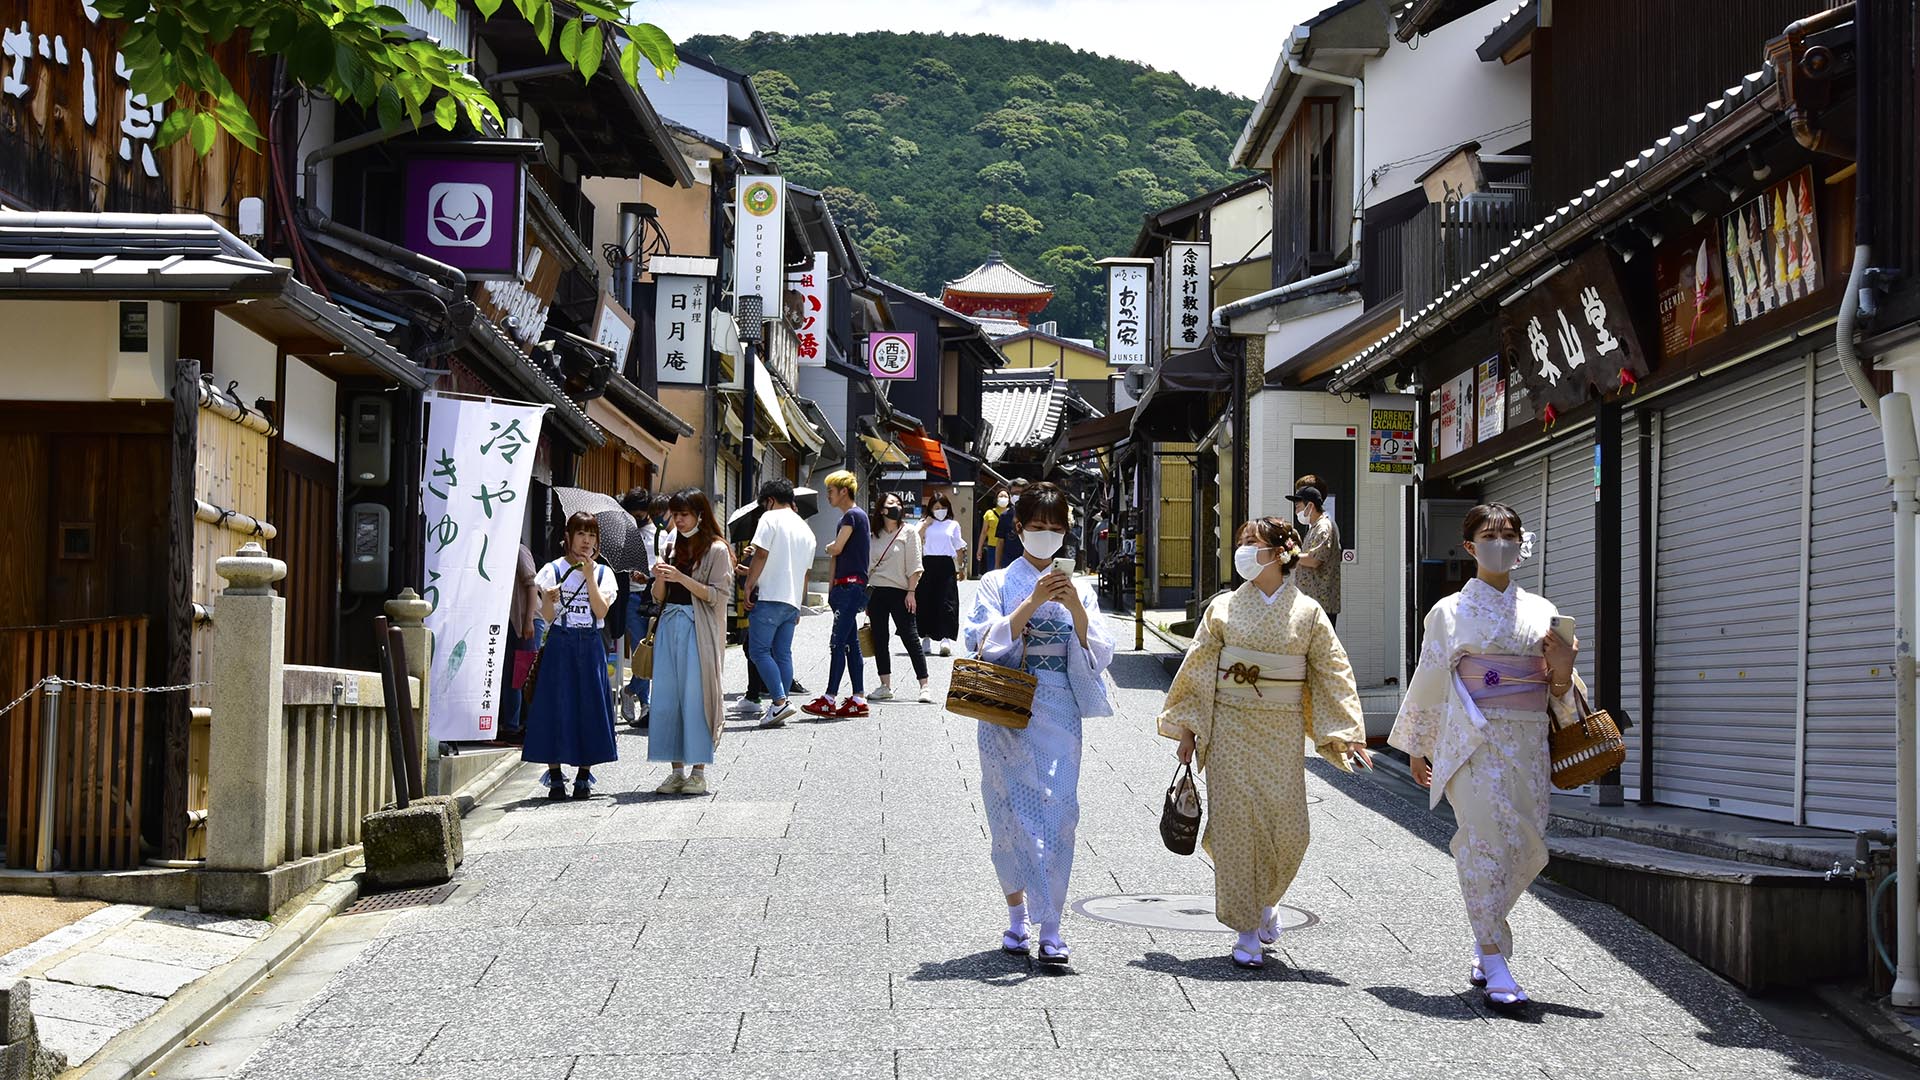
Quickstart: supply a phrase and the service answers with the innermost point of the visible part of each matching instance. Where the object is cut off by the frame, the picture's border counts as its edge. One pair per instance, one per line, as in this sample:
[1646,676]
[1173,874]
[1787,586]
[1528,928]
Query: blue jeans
[770,628]
[847,601]
[636,628]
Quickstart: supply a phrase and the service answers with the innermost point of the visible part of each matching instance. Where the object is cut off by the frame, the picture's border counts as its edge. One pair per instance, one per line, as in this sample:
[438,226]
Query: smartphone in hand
[1063,565]
[1563,628]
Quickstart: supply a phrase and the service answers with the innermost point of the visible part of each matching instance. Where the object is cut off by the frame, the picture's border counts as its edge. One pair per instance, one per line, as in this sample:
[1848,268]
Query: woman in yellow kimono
[1492,676]
[1266,681]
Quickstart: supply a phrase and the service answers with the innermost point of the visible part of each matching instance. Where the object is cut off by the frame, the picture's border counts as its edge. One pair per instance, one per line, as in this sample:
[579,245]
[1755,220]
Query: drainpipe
[1352,268]
[433,268]
[1903,469]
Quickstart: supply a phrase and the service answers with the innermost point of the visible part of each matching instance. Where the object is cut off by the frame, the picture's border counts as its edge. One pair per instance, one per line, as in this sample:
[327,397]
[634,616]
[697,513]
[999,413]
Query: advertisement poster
[1391,447]
[1491,383]
[479,465]
[1692,287]
[1456,414]
[1772,248]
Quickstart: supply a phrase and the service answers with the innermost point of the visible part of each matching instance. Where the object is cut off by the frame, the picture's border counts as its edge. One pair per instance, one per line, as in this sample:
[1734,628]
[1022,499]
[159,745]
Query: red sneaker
[821,706]
[852,708]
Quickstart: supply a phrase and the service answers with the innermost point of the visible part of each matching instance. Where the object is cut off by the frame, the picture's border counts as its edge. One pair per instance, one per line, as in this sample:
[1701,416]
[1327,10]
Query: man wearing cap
[1318,572]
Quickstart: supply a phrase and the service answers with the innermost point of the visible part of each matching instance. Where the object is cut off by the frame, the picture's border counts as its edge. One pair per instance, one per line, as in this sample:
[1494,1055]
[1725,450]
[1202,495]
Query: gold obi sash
[1268,678]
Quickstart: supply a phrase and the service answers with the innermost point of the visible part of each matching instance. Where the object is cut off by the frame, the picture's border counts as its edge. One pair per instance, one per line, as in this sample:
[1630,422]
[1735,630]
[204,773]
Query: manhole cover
[1188,912]
[405,898]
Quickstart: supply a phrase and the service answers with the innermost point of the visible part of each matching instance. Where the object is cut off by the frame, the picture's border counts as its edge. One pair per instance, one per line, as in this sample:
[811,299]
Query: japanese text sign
[680,329]
[891,356]
[760,239]
[467,212]
[479,464]
[1189,293]
[810,331]
[1573,331]
[1127,309]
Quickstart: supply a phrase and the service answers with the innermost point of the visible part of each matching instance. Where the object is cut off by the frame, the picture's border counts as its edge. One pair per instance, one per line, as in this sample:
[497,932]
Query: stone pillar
[246,768]
[408,613]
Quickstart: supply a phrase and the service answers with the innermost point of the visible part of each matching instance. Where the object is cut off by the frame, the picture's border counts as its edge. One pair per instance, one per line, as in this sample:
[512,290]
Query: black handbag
[1180,818]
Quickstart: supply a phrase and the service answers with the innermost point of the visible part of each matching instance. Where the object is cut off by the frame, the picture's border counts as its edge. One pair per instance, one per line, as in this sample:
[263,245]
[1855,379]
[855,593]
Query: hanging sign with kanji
[811,321]
[1189,294]
[479,465]
[891,356]
[1126,314]
[680,329]
[1573,332]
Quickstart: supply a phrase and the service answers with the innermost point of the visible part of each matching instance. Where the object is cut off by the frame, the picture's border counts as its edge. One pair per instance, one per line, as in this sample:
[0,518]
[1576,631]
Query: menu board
[1772,248]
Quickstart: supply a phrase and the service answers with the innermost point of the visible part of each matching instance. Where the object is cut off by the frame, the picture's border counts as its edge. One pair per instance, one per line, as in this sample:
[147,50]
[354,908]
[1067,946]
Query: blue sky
[1230,44]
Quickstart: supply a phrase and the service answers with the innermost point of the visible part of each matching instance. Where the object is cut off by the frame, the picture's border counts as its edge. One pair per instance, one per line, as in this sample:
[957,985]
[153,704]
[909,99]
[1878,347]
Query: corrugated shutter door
[1630,663]
[1849,756]
[1727,678]
[1520,487]
[1569,542]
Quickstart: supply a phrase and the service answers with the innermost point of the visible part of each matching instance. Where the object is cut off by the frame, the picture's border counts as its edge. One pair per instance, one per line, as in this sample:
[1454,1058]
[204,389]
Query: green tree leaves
[357,51]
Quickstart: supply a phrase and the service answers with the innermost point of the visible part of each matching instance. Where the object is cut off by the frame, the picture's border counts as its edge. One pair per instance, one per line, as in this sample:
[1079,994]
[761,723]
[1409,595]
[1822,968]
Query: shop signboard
[1391,446]
[808,297]
[1189,293]
[1126,313]
[1772,248]
[468,212]
[760,240]
[1692,287]
[1573,332]
[680,329]
[891,356]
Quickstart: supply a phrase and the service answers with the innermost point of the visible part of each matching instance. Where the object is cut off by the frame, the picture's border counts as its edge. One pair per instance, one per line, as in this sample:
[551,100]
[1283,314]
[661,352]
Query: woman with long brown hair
[1266,679]
[692,584]
[570,719]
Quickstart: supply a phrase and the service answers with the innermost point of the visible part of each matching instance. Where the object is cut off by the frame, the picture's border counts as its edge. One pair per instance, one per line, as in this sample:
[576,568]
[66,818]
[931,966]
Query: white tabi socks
[1501,987]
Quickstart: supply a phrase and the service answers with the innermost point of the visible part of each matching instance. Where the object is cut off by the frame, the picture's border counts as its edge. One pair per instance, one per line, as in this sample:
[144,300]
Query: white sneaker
[926,695]
[885,693]
[946,648]
[926,646]
[626,705]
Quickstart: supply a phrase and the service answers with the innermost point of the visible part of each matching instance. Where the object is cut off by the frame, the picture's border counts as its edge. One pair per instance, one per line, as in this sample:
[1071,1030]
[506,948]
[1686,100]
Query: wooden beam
[177,708]
[85,418]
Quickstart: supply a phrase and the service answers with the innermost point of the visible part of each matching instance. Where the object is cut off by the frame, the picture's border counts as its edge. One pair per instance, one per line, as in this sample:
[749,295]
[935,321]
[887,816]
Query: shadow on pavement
[1221,969]
[1139,671]
[989,966]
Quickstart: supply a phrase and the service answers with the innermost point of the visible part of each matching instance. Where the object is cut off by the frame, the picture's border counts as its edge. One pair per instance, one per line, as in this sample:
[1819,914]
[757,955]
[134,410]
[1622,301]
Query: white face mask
[1040,543]
[1302,517]
[940,513]
[1497,556]
[1001,502]
[689,533]
[1246,560]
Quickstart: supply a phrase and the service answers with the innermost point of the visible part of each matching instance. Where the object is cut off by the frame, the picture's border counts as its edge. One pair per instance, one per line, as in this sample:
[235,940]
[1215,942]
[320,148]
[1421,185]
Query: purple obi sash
[1505,682]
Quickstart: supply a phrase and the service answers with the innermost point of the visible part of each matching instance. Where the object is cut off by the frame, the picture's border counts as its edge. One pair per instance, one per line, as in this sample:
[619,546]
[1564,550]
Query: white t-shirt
[943,538]
[789,547]
[573,607]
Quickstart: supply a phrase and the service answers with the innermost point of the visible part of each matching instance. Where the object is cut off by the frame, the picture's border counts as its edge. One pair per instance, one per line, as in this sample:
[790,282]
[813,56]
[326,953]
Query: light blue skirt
[677,728]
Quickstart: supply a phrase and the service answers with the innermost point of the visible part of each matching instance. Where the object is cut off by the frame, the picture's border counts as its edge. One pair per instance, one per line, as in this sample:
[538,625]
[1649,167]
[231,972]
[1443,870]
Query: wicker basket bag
[1585,751]
[992,693]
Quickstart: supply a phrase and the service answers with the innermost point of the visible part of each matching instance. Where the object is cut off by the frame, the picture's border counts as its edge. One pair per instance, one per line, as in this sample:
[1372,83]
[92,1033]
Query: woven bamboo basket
[991,693]
[1584,752]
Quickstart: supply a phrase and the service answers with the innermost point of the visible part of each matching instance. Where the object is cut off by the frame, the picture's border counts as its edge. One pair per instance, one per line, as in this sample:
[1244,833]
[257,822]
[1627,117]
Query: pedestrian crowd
[1265,683]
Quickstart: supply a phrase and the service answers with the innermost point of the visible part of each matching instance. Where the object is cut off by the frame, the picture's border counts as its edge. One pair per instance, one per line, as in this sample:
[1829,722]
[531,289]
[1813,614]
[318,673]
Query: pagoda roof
[997,277]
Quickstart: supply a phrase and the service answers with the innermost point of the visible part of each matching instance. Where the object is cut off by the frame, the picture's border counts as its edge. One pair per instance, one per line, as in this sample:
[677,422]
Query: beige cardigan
[710,628]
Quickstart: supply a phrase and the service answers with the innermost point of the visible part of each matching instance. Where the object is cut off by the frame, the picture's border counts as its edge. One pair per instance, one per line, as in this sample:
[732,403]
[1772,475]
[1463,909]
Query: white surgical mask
[1001,502]
[689,533]
[1302,517]
[1041,543]
[1246,560]
[940,513]
[1497,556]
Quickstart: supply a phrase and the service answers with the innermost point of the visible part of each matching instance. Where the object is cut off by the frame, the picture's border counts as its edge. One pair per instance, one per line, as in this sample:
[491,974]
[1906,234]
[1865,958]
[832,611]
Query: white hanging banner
[1189,294]
[760,240]
[479,467]
[1126,313]
[810,336]
[680,329]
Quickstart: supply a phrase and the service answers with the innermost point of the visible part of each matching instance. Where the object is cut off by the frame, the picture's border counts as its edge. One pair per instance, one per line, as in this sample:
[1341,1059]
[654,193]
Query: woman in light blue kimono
[1031,614]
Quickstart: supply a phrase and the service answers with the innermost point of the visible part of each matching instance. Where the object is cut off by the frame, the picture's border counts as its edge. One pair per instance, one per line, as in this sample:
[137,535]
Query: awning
[884,452]
[1099,432]
[766,397]
[626,431]
[803,435]
[831,444]
[929,450]
[1178,403]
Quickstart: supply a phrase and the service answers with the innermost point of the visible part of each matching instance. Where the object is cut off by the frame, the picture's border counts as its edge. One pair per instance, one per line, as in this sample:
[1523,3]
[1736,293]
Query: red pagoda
[994,290]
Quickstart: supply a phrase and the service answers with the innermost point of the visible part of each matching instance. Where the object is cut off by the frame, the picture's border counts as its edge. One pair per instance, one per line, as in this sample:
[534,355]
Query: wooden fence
[99,743]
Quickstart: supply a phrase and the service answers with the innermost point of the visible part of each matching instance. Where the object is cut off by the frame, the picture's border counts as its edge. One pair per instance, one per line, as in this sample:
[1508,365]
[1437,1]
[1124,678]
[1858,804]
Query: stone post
[408,614]
[246,768]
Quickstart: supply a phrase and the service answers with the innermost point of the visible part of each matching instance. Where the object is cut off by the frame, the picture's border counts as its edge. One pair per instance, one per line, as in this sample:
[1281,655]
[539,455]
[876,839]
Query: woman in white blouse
[893,570]
[943,552]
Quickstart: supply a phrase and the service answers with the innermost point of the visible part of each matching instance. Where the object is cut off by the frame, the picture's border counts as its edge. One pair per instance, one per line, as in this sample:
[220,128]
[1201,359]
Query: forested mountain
[936,149]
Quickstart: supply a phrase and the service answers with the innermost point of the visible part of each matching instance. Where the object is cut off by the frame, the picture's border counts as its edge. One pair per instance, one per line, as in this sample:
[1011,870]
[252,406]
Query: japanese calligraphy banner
[1572,332]
[479,465]
[680,329]
[810,328]
[1189,293]
[1126,313]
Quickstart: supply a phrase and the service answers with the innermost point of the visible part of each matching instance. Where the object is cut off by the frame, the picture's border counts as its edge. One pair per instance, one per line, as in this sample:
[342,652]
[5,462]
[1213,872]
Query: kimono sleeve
[988,633]
[1189,704]
[1332,700]
[1423,711]
[1099,650]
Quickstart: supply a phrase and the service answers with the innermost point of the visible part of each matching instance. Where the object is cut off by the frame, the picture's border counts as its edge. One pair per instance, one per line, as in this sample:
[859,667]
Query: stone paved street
[830,911]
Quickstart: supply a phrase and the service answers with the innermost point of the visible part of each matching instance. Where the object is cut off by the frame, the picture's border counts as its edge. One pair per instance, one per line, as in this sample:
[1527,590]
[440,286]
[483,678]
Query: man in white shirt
[782,554]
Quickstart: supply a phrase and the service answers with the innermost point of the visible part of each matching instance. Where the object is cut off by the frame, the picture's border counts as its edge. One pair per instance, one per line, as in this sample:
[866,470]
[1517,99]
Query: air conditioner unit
[1441,521]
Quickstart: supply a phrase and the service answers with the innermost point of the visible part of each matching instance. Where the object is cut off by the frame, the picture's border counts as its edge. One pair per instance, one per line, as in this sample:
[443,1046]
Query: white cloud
[1229,44]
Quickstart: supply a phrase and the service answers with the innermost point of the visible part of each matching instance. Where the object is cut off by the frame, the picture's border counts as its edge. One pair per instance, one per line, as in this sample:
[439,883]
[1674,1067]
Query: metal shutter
[1727,678]
[1569,541]
[1522,487]
[1849,750]
[1631,666]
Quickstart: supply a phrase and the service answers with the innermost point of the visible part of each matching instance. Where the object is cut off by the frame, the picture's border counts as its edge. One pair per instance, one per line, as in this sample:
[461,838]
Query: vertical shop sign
[811,323]
[680,329]
[760,239]
[1189,293]
[1126,313]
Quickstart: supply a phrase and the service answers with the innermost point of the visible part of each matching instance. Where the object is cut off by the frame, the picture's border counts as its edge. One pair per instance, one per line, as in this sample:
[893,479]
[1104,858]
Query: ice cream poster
[1693,301]
[1772,249]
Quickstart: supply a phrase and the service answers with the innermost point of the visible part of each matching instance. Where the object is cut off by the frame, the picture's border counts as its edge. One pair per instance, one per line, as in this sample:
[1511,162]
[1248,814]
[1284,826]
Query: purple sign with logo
[466,212]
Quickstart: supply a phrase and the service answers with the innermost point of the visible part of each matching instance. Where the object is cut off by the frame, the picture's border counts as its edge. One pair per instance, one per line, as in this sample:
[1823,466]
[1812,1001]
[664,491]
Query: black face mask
[895,513]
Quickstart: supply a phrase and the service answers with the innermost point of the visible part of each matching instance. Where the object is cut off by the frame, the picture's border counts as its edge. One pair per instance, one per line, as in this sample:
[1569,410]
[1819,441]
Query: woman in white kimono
[1033,615]
[1492,674]
[1265,682]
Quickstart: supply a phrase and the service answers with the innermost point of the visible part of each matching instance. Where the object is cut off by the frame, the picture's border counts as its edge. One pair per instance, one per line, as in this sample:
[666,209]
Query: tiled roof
[1459,295]
[997,277]
[999,328]
[1023,408]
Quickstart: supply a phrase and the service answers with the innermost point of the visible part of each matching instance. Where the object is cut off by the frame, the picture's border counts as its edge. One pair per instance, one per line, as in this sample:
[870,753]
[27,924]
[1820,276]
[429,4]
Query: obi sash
[1246,675]
[1504,682]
